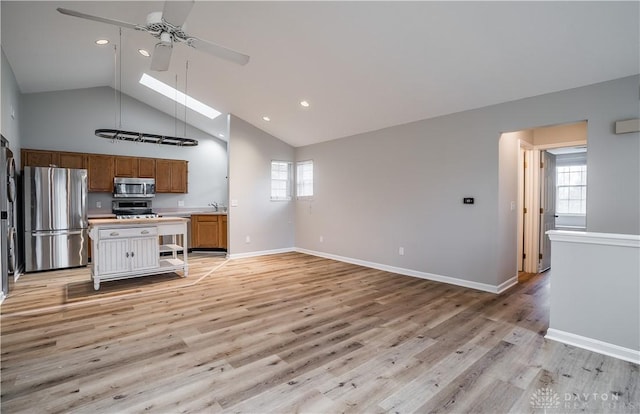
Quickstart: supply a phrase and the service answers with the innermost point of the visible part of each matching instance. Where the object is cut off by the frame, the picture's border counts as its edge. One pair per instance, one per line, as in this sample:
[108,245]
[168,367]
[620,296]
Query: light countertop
[136,222]
[162,212]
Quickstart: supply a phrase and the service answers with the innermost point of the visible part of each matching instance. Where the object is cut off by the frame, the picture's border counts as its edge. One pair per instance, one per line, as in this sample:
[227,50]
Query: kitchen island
[129,248]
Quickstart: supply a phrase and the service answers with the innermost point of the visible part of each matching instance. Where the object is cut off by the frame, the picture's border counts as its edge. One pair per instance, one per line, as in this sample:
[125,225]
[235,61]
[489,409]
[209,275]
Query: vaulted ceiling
[361,65]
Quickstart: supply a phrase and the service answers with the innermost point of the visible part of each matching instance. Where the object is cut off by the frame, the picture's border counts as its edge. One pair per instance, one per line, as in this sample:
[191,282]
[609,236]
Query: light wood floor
[294,333]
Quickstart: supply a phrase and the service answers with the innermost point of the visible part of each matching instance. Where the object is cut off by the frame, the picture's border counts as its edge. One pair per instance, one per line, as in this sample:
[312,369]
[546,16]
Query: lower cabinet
[209,231]
[128,250]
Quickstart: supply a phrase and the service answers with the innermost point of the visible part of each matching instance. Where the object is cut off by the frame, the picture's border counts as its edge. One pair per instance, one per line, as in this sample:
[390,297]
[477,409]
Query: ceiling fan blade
[161,56]
[176,12]
[218,51]
[99,19]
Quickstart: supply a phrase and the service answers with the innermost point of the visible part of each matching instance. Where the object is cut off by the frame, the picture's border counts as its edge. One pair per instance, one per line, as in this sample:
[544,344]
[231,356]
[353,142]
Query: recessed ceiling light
[102,41]
[173,94]
[144,53]
[304,103]
[266,118]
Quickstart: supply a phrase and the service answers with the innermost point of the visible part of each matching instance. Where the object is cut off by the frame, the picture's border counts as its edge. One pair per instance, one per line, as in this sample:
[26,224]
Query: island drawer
[127,232]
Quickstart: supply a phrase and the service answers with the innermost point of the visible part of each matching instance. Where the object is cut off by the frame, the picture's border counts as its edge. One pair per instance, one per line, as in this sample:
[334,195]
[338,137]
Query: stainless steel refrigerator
[55,218]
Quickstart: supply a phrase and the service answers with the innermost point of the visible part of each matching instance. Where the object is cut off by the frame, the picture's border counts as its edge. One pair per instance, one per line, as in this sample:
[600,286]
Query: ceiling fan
[167,27]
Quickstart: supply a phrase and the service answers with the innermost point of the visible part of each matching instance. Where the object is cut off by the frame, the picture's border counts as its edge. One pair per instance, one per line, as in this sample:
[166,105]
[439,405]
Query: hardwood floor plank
[291,333]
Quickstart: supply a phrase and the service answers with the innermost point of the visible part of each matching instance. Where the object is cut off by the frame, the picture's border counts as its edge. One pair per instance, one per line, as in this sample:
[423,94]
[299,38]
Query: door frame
[531,222]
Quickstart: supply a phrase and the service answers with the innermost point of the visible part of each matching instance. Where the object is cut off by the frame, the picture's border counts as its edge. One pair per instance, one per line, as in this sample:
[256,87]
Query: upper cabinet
[171,175]
[43,158]
[146,168]
[101,172]
[126,166]
[39,158]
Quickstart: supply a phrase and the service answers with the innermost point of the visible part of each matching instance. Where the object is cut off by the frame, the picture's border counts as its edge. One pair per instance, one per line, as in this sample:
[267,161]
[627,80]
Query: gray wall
[269,224]
[595,289]
[10,126]
[403,186]
[66,121]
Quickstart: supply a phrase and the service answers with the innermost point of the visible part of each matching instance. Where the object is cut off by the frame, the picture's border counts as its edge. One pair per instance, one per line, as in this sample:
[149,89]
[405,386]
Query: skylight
[175,95]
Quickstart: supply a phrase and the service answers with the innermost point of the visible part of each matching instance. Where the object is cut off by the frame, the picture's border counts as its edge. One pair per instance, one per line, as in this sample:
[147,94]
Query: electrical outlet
[401,251]
[234,203]
[180,203]
[321,239]
[98,204]
[247,239]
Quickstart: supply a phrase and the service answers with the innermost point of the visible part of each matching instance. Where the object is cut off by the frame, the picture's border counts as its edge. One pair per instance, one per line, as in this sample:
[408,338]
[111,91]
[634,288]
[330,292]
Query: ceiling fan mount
[168,27]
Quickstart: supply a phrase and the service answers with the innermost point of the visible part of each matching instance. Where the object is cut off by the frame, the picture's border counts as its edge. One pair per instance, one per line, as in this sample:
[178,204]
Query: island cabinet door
[113,256]
[144,253]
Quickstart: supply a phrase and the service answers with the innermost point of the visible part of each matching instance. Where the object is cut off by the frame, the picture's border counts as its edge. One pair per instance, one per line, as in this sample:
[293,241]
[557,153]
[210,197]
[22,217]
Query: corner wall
[268,224]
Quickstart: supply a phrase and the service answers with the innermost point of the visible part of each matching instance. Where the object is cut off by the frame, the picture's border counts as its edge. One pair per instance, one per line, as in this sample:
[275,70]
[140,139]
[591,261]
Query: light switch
[234,203]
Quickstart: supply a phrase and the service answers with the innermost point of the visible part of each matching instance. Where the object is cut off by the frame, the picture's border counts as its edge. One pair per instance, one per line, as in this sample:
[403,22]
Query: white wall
[403,185]
[10,125]
[66,121]
[269,224]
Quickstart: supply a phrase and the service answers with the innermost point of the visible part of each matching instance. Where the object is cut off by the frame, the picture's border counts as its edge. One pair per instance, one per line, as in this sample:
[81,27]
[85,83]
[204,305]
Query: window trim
[289,180]
[584,186]
[299,183]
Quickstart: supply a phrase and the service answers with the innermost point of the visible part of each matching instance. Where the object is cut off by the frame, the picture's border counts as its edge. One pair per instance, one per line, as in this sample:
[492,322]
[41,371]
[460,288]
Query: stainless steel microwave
[134,187]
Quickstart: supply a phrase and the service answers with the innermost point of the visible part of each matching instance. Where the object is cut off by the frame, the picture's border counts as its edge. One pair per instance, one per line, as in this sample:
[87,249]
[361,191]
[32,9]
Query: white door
[548,210]
[144,253]
[113,256]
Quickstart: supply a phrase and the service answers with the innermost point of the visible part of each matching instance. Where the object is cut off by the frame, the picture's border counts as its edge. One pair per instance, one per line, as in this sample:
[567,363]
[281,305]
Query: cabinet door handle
[114,233]
[131,254]
[127,254]
[144,232]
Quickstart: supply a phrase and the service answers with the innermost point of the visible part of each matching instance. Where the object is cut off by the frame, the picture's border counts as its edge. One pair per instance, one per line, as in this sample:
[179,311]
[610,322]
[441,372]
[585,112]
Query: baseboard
[507,284]
[594,345]
[414,273]
[2,296]
[260,253]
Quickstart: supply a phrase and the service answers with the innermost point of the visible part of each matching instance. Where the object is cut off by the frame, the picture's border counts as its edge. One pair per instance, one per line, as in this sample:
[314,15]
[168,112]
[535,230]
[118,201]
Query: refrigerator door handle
[55,233]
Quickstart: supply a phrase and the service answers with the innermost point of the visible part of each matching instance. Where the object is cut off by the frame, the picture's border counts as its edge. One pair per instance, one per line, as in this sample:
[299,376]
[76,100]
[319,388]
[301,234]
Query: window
[304,179]
[281,172]
[571,184]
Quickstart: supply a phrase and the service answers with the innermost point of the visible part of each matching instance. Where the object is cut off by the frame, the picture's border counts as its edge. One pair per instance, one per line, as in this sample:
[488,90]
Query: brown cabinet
[72,160]
[208,231]
[43,158]
[126,166]
[146,168]
[39,158]
[204,231]
[171,176]
[101,172]
[222,231]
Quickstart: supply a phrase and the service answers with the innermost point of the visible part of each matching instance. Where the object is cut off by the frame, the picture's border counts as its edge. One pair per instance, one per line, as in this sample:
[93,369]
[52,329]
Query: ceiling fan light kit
[168,27]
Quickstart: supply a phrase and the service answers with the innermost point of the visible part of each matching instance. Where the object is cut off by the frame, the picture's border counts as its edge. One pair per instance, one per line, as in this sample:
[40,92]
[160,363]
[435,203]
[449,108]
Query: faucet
[214,205]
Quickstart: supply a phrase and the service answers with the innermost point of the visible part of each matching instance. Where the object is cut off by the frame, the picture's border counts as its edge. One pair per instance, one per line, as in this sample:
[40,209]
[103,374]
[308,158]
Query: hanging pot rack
[119,135]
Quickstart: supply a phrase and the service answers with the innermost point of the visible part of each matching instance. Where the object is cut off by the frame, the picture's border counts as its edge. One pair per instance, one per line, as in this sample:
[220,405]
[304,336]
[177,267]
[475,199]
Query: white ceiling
[361,65]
